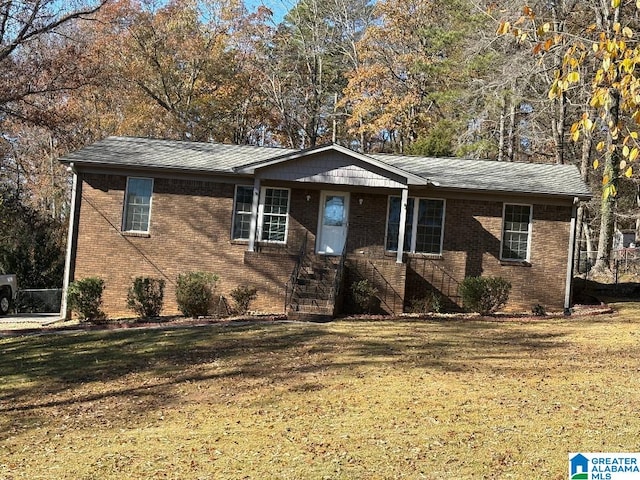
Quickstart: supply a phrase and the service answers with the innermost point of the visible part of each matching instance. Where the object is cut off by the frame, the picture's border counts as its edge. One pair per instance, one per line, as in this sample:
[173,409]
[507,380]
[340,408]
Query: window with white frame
[137,207]
[424,225]
[242,212]
[516,232]
[273,214]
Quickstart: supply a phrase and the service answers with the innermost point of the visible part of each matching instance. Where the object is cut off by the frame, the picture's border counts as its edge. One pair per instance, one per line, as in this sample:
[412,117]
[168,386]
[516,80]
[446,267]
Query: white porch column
[253,225]
[403,221]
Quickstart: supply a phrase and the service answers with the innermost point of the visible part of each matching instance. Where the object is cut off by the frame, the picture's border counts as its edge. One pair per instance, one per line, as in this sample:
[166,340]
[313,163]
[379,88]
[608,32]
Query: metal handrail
[337,281]
[290,286]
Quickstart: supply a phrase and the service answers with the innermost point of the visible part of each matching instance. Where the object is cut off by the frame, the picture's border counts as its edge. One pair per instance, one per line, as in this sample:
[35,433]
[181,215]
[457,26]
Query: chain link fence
[39,300]
[623,261]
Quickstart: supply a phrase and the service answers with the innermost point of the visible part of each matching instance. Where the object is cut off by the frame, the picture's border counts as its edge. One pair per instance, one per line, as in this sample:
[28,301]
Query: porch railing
[338,280]
[290,286]
[387,295]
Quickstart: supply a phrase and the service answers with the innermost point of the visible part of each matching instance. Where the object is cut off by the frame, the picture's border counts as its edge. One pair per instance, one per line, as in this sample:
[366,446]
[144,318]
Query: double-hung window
[137,206]
[273,214]
[424,225]
[516,232]
[242,212]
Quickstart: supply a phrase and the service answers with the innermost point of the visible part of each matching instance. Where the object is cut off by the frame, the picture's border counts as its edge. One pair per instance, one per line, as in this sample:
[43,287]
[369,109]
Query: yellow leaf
[503,28]
[606,63]
[546,27]
[575,135]
[634,135]
[613,190]
[599,147]
[615,3]
[623,164]
[629,172]
[573,77]
[605,179]
[634,154]
[588,124]
[627,32]
[638,4]
[605,193]
[596,164]
[625,151]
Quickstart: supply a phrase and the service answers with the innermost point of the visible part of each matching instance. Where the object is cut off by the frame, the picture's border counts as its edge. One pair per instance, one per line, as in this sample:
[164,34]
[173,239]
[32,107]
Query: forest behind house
[511,81]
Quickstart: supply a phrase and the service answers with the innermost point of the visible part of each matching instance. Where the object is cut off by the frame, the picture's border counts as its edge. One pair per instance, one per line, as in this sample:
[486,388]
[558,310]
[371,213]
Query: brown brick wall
[473,232]
[191,225]
[190,230]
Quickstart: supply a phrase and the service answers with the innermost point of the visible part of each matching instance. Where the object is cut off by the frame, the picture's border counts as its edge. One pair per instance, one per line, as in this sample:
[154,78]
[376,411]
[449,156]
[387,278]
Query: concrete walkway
[33,319]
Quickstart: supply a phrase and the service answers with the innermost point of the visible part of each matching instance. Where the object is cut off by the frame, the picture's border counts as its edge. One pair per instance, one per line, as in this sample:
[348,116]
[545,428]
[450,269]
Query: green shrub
[484,295]
[364,295]
[194,293]
[84,297]
[538,310]
[243,296]
[432,302]
[146,296]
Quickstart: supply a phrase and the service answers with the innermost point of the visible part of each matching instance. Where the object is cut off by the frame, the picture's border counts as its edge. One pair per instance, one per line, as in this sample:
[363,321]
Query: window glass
[242,212]
[393,224]
[426,226]
[429,225]
[274,217]
[334,211]
[138,204]
[515,236]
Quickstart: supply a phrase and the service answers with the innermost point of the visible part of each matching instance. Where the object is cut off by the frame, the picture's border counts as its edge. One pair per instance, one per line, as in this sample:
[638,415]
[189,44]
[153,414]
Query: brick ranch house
[300,224]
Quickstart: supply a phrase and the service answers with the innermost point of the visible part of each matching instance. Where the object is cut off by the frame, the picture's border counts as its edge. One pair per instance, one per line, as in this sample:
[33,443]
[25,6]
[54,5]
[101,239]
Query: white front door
[332,229]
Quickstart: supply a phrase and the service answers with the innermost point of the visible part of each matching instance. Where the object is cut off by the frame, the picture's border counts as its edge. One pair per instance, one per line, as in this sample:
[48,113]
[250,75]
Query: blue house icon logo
[579,467]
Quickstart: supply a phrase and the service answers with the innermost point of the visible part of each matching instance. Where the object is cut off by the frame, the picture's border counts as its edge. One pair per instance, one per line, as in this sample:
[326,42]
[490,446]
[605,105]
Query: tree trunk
[607,207]
[584,174]
[511,139]
[503,113]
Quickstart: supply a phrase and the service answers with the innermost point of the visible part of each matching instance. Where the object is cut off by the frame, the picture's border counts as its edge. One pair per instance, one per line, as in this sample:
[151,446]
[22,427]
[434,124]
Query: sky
[278,7]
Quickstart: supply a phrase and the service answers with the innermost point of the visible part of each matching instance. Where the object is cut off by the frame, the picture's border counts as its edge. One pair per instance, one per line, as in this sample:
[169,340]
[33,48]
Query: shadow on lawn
[49,365]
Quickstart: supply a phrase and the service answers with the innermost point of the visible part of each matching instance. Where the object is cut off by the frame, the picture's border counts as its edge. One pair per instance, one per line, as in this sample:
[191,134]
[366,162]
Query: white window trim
[414,224]
[126,206]
[233,214]
[263,192]
[529,233]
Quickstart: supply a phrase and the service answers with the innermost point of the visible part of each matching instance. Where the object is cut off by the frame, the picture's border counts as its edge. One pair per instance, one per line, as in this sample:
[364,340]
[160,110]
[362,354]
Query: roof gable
[331,162]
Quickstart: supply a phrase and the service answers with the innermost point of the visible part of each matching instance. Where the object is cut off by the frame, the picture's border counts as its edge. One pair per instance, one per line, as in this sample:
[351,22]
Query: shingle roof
[465,174]
[171,154]
[447,173]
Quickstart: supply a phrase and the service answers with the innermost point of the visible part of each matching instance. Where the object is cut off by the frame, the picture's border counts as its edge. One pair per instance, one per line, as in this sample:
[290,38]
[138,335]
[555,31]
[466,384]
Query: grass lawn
[344,400]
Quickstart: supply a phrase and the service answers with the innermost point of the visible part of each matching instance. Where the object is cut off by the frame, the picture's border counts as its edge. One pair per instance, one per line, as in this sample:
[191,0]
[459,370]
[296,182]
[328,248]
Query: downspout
[570,259]
[403,221]
[71,243]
